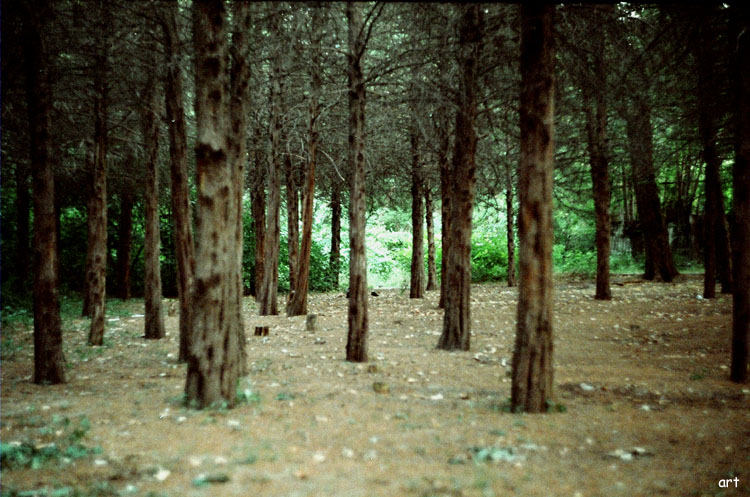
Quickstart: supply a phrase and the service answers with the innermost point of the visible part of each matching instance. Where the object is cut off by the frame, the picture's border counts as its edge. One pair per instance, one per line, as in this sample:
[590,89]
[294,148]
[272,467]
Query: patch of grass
[286,396]
[699,375]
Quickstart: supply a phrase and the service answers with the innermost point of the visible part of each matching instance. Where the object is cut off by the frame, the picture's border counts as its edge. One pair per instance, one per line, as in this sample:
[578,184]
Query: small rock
[372,368]
[347,452]
[162,474]
[319,457]
[381,387]
[586,387]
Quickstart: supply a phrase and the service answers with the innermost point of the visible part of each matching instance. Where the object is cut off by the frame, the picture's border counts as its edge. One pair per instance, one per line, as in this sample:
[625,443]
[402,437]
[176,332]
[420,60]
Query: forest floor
[643,405]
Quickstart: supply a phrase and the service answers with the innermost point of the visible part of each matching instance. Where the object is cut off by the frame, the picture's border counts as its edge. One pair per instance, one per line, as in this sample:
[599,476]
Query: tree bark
[656,238]
[445,202]
[178,169]
[716,236]
[431,264]
[258,208]
[49,363]
[154,316]
[334,263]
[213,360]
[23,208]
[124,244]
[96,267]
[532,356]
[416,282]
[741,199]
[356,344]
[456,333]
[298,295]
[510,230]
[292,226]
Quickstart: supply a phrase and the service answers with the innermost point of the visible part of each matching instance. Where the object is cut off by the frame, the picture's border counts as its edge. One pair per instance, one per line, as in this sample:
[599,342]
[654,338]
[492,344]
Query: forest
[374,248]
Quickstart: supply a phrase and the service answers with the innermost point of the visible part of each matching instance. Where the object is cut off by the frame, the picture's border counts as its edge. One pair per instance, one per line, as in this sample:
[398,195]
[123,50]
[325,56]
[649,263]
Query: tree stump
[310,322]
[261,331]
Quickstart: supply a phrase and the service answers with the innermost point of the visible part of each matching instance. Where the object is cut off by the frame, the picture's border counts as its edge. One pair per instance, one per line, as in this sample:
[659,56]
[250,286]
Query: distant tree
[741,196]
[417,279]
[462,176]
[430,222]
[49,363]
[334,262]
[532,356]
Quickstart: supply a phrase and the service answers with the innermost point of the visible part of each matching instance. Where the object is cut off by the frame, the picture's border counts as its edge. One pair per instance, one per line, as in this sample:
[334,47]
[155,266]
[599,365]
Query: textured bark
[213,359]
[532,356]
[49,363]
[178,169]
[656,238]
[741,200]
[510,230]
[431,264]
[356,343]
[595,107]
[334,262]
[298,296]
[154,316]
[292,226]
[124,244]
[23,209]
[445,202]
[417,279]
[96,261]
[716,235]
[456,333]
[258,208]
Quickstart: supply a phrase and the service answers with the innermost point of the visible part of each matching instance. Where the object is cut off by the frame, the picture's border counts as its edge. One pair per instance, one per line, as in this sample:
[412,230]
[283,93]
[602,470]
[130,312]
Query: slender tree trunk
[213,361]
[431,265]
[124,244]
[716,236]
[417,283]
[154,317]
[23,208]
[49,363]
[510,231]
[258,208]
[532,356]
[595,106]
[298,302]
[292,226]
[457,255]
[741,199]
[178,168]
[445,202]
[96,270]
[656,238]
[356,344]
[334,263]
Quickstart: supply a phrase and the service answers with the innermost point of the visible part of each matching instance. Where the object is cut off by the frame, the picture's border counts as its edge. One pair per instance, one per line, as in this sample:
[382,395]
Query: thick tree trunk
[213,361]
[741,201]
[298,295]
[154,316]
[510,230]
[292,226]
[124,244]
[49,363]
[178,169]
[716,236]
[595,106]
[656,238]
[456,333]
[23,209]
[431,264]
[416,282]
[96,268]
[356,343]
[334,262]
[532,356]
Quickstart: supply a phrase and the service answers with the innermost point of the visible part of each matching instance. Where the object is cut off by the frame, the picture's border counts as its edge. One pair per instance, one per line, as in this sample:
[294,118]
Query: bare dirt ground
[643,406]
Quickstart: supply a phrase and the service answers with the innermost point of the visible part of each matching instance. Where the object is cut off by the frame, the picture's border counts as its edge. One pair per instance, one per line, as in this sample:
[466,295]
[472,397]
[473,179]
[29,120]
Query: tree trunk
[298,295]
[356,343]
[178,168]
[292,226]
[457,255]
[716,237]
[154,317]
[49,363]
[741,200]
[213,360]
[124,244]
[656,238]
[258,208]
[334,263]
[431,265]
[416,285]
[532,356]
[96,268]
[595,106]
[510,231]
[445,200]
[23,208]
